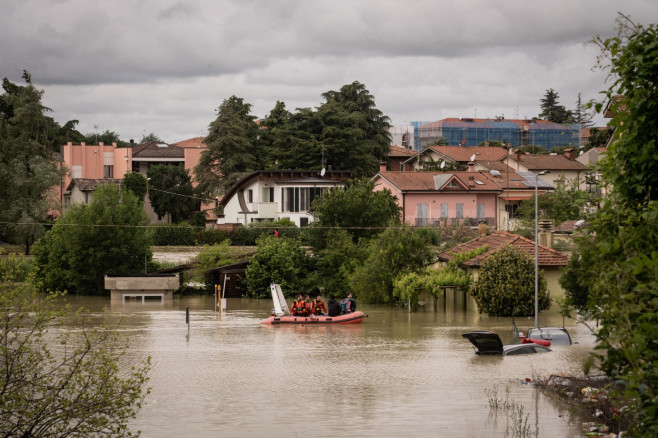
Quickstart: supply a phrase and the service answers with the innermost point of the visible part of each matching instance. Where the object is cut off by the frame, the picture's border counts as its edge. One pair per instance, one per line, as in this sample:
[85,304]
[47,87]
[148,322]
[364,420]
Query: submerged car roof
[489,343]
[557,335]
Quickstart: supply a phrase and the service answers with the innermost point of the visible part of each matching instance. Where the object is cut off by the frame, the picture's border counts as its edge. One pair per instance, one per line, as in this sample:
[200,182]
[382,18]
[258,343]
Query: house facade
[271,195]
[105,163]
[470,197]
[484,157]
[550,261]
[558,166]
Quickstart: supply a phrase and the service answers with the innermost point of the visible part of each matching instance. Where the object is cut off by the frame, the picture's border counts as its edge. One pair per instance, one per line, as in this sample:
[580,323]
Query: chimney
[471,166]
[132,143]
[517,155]
[382,166]
[570,153]
[545,234]
[482,229]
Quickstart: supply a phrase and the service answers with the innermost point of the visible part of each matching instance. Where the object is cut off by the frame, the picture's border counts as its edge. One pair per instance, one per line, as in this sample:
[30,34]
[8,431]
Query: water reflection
[398,374]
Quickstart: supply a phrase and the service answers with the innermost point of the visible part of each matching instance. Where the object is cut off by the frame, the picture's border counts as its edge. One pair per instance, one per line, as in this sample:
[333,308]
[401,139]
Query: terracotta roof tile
[549,162]
[157,149]
[90,184]
[435,181]
[399,151]
[547,257]
[194,142]
[464,153]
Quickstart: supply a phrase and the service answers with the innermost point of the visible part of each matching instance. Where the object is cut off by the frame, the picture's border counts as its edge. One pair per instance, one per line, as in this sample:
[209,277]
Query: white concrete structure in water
[142,288]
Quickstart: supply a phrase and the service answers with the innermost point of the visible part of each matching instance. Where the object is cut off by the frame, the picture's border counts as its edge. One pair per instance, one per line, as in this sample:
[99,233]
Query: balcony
[453,221]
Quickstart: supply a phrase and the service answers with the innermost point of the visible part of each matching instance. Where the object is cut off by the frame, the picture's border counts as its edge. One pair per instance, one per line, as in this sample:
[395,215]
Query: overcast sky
[136,67]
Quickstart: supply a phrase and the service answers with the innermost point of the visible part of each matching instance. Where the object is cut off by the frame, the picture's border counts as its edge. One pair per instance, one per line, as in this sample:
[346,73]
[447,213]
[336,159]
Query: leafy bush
[173,235]
[506,285]
[19,266]
[279,260]
[209,236]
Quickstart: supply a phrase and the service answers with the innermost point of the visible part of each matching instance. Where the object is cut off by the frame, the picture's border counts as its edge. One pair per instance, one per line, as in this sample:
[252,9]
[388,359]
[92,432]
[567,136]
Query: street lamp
[543,172]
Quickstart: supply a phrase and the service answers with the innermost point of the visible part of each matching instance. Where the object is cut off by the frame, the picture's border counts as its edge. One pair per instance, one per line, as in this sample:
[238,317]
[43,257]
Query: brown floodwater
[397,374]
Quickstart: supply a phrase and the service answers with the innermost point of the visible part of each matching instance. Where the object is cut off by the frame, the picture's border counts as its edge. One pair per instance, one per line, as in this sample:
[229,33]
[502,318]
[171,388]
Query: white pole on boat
[223,300]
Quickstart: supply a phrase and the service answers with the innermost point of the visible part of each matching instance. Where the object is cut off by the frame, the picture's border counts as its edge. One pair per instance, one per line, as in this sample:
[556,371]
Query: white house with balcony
[271,195]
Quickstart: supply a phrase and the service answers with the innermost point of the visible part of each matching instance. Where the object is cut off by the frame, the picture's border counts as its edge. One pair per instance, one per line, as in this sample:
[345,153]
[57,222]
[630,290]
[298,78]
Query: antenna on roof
[473,157]
[443,164]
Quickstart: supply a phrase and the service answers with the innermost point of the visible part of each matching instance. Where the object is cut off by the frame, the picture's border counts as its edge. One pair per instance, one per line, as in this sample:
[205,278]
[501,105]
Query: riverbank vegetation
[618,270]
[59,377]
[115,222]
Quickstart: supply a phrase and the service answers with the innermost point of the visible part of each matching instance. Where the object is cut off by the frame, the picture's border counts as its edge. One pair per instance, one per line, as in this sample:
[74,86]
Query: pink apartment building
[108,162]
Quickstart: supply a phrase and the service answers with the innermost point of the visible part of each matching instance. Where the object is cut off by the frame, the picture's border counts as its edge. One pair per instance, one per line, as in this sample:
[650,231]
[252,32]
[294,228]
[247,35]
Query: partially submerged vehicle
[489,343]
[555,335]
[281,313]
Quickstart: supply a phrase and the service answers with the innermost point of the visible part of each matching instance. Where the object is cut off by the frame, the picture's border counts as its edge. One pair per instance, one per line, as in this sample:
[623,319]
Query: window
[303,221]
[460,211]
[444,210]
[108,171]
[421,214]
[480,212]
[250,195]
[296,199]
[268,194]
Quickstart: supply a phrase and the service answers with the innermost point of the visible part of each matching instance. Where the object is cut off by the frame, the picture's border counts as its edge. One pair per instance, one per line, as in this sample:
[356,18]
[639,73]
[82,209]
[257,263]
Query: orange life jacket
[318,307]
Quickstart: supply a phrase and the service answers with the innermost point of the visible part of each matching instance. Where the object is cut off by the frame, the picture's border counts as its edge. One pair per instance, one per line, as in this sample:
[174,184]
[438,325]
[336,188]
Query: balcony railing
[453,221]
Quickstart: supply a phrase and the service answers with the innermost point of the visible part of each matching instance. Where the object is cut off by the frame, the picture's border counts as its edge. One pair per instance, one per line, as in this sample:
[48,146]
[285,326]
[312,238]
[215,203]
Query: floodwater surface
[398,374]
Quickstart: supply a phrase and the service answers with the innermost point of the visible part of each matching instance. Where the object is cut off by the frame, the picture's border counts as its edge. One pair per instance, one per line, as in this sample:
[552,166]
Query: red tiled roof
[435,181]
[464,153]
[193,142]
[152,149]
[90,184]
[399,151]
[547,257]
[549,162]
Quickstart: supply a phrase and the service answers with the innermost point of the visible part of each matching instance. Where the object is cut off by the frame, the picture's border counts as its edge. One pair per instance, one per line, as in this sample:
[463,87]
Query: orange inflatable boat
[281,313]
[348,318]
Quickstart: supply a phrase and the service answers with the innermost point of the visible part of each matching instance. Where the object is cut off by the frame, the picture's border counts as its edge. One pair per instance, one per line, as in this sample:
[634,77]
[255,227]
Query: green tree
[551,109]
[582,114]
[356,134]
[151,136]
[533,149]
[107,137]
[506,285]
[598,138]
[282,261]
[28,171]
[408,287]
[59,377]
[106,237]
[564,203]
[337,261]
[624,262]
[231,151]
[170,192]
[136,183]
[359,209]
[396,251]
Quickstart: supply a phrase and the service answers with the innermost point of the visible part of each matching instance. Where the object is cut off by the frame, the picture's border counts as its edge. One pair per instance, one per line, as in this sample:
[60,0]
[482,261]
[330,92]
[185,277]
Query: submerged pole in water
[187,319]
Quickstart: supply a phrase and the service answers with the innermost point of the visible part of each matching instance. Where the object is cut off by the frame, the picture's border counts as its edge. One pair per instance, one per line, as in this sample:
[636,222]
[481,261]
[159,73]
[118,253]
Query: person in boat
[318,307]
[334,306]
[348,305]
[300,307]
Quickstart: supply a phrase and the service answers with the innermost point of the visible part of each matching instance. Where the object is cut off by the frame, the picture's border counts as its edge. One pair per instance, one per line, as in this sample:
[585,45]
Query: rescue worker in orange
[318,307]
[300,307]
